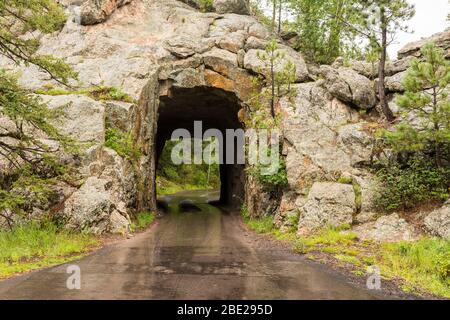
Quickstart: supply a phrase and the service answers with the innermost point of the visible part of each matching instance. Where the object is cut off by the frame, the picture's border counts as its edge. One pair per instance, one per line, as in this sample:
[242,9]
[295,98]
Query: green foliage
[420,172]
[423,264]
[109,93]
[348,259]
[277,75]
[426,96]
[143,220]
[18,17]
[293,220]
[263,225]
[122,143]
[172,178]
[244,212]
[345,180]
[275,180]
[32,163]
[39,244]
[373,15]
[323,30]
[405,186]
[205,5]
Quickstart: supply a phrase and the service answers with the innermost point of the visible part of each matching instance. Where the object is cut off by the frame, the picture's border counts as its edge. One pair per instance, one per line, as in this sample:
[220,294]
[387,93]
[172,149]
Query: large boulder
[370,70]
[437,223]
[231,6]
[254,61]
[233,41]
[328,204]
[356,140]
[83,117]
[349,86]
[221,61]
[395,83]
[221,6]
[390,228]
[441,39]
[259,202]
[91,209]
[97,11]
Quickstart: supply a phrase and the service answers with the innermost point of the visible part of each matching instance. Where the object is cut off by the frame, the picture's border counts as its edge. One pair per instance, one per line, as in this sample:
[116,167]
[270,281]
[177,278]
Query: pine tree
[322,28]
[279,74]
[427,97]
[379,21]
[31,164]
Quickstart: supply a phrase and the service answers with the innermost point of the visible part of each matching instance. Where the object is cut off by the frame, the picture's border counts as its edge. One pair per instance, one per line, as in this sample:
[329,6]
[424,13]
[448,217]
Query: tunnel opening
[214,108]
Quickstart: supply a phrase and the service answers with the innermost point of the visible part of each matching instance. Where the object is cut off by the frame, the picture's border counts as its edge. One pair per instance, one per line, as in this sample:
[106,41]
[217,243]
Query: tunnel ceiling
[214,107]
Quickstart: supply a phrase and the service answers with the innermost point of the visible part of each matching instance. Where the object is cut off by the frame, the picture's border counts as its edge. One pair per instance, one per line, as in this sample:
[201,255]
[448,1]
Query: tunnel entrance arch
[174,100]
[215,109]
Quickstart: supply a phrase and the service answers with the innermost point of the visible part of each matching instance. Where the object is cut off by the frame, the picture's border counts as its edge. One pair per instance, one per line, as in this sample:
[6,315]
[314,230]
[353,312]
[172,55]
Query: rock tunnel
[178,108]
[215,109]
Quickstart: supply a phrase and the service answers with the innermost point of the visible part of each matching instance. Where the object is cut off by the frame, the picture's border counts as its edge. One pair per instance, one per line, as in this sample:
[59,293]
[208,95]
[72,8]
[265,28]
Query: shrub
[122,143]
[109,93]
[416,182]
[206,5]
[276,180]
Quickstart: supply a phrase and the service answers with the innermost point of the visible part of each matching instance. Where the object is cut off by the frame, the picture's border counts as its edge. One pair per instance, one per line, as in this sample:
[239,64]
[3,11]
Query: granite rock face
[328,204]
[390,228]
[349,86]
[437,223]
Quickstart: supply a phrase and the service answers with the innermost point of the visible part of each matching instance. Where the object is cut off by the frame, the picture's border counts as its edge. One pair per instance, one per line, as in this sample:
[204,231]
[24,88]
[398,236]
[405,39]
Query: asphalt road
[189,254]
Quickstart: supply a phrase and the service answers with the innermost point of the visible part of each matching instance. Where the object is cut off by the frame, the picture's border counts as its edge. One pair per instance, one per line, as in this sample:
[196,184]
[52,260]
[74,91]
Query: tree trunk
[437,150]
[272,76]
[274,14]
[279,17]
[382,71]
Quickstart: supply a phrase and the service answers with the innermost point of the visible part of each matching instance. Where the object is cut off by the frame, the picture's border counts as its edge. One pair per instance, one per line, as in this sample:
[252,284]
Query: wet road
[189,254]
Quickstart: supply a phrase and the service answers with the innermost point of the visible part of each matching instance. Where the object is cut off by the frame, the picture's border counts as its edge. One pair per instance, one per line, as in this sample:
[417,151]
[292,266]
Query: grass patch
[262,226]
[424,264]
[259,225]
[100,93]
[143,220]
[165,186]
[328,237]
[40,244]
[348,259]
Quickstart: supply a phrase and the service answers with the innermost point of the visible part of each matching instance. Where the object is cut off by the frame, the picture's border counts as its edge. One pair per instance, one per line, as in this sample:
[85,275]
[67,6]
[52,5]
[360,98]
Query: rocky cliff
[165,52]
